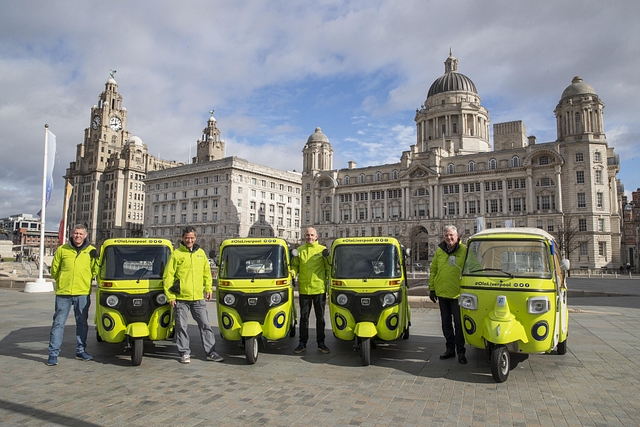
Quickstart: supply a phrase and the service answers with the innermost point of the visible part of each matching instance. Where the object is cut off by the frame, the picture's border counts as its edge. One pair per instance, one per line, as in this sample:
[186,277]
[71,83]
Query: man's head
[310,235]
[450,235]
[79,234]
[189,237]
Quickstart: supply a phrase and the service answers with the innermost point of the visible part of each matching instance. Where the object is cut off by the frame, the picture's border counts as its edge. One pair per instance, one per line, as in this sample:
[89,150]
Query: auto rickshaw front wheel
[251,349]
[137,351]
[365,351]
[562,347]
[500,362]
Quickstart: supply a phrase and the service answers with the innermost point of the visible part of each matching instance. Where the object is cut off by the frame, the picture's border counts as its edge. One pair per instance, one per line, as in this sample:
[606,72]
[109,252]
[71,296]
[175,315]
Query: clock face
[96,122]
[115,123]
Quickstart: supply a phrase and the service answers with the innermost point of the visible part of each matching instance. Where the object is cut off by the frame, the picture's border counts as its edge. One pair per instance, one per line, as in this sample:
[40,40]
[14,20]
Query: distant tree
[568,234]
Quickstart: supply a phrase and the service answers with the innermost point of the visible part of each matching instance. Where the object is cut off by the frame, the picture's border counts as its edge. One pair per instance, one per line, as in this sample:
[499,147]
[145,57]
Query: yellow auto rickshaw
[514,295]
[368,292]
[131,304]
[254,296]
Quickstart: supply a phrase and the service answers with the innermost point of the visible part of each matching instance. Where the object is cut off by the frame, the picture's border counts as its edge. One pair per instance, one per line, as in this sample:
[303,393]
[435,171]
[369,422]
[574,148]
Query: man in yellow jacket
[187,284]
[312,269]
[444,287]
[73,267]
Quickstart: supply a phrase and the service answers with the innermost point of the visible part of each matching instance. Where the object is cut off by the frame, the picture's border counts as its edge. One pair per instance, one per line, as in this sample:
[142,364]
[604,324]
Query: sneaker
[84,356]
[215,357]
[52,361]
[447,354]
[323,348]
[300,348]
[185,359]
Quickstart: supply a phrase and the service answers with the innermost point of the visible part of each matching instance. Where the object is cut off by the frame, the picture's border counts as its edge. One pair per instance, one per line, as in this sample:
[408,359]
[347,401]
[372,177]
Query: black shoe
[447,354]
[300,348]
[323,348]
[462,359]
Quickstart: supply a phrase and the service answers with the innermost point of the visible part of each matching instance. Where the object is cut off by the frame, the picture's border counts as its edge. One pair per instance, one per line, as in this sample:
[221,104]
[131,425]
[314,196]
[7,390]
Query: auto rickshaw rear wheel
[136,351]
[251,350]
[365,351]
[500,363]
[562,347]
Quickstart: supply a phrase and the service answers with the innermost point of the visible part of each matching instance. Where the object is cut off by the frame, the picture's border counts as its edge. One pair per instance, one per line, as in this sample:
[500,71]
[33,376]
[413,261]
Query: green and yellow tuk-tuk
[368,292]
[514,295]
[131,304]
[254,296]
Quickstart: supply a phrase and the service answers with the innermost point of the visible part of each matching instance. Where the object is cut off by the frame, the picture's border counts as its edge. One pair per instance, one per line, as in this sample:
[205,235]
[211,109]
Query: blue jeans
[81,306]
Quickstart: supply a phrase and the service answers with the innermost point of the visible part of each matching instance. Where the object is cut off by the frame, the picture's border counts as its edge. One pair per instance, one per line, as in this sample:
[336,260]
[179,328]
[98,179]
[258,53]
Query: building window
[596,157]
[493,164]
[378,176]
[599,197]
[582,224]
[361,179]
[600,224]
[544,160]
[515,161]
[582,200]
[346,179]
[471,166]
[579,157]
[579,177]
[550,225]
[602,248]
[584,249]
[394,174]
[598,177]
[451,168]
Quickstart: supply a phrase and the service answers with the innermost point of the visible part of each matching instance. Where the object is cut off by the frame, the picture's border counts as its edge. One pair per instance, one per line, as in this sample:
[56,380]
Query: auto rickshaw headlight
[229,299]
[468,301]
[275,299]
[342,299]
[112,301]
[161,299]
[538,305]
[388,299]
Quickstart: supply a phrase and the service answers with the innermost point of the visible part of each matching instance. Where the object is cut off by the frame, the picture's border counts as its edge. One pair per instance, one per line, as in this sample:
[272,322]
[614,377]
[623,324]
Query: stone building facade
[107,176]
[222,197]
[451,175]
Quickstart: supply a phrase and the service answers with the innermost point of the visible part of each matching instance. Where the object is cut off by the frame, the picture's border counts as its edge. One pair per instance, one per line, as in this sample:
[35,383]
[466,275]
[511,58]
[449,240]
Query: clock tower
[210,145]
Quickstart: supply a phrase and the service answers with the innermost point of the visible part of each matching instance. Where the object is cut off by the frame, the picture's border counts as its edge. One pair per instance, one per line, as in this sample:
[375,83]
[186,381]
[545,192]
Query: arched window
[378,176]
[471,166]
[394,174]
[346,179]
[515,161]
[451,168]
[361,180]
[493,164]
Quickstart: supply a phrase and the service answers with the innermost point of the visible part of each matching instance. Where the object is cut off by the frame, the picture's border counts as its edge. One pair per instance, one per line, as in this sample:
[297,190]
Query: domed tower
[451,116]
[210,145]
[317,154]
[579,113]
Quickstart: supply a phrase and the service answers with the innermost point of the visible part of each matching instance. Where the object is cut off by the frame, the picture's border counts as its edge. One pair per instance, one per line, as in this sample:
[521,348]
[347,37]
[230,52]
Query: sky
[273,71]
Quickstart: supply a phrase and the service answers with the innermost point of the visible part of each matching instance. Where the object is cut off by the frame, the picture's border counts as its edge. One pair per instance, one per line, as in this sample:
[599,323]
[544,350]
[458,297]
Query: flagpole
[44,202]
[41,285]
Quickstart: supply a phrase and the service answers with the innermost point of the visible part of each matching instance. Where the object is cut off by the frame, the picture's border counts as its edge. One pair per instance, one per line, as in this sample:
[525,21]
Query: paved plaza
[597,383]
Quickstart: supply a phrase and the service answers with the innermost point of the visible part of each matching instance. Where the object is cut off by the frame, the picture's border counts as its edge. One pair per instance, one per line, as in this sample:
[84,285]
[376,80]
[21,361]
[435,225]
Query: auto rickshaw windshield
[134,262]
[366,261]
[500,257]
[241,262]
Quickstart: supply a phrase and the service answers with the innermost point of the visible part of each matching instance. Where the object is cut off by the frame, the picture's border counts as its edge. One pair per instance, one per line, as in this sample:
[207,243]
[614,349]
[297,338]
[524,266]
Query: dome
[578,87]
[134,140]
[451,80]
[317,137]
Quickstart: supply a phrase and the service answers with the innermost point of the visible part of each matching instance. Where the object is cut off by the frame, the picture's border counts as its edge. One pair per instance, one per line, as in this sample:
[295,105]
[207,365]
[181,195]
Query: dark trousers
[451,324]
[318,302]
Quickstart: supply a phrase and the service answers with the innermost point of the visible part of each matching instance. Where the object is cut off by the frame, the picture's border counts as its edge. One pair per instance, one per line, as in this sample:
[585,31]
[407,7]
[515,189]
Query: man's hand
[207,296]
[172,303]
[432,296]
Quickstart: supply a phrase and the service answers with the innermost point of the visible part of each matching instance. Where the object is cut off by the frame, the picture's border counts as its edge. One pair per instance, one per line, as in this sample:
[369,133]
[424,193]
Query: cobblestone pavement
[596,383]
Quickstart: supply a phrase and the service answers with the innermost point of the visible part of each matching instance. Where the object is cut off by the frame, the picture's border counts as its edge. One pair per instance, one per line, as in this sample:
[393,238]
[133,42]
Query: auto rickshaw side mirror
[565,264]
